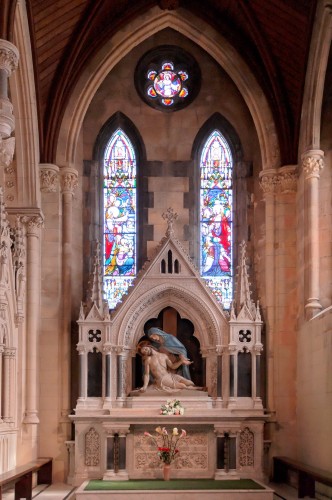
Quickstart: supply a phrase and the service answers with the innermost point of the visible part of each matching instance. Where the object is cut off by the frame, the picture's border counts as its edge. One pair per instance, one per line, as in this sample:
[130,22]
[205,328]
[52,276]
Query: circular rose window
[167,78]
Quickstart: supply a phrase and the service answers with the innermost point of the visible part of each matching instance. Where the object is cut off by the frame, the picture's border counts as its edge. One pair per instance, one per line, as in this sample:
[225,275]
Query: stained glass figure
[119,217]
[216,200]
[167,84]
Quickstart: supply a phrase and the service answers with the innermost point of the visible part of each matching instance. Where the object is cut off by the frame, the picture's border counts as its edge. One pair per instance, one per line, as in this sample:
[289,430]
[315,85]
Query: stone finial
[170,216]
[95,294]
[242,296]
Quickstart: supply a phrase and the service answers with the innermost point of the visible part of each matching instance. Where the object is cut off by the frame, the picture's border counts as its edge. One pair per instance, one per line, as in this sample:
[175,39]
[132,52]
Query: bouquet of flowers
[166,443]
[172,407]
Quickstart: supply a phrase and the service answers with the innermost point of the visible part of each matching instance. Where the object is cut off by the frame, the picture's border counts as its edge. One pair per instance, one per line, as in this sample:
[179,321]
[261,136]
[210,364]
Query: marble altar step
[174,494]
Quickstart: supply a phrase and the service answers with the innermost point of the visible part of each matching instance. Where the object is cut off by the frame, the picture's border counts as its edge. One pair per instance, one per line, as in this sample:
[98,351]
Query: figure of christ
[159,365]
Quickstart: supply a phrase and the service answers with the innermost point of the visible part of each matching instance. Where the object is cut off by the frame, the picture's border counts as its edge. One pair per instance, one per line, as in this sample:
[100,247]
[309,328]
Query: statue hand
[186,361]
[142,389]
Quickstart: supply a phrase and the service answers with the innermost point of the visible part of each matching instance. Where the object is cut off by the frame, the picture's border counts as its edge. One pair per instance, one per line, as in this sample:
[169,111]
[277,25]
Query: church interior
[166,232]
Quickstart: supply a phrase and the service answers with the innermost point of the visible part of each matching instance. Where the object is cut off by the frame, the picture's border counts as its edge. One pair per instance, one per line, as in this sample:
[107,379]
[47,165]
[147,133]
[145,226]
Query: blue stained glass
[119,217]
[216,202]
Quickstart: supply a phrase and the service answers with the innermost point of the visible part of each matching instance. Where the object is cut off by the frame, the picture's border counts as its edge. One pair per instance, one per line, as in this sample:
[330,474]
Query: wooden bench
[22,477]
[307,475]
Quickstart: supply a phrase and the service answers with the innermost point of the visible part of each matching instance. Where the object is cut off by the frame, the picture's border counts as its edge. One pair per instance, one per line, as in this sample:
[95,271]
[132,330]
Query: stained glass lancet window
[216,217]
[119,217]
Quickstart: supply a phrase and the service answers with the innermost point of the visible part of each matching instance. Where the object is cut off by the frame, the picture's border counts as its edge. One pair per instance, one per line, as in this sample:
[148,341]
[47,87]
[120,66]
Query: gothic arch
[118,120]
[314,86]
[22,87]
[212,42]
[209,329]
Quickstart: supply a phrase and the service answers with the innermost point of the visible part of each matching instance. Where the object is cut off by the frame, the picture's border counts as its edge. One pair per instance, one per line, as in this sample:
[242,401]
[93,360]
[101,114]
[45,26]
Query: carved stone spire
[95,295]
[170,216]
[242,296]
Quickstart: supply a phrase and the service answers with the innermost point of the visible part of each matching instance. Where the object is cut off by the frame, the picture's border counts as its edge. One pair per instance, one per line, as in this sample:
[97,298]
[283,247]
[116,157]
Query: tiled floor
[284,492]
[56,491]
[60,491]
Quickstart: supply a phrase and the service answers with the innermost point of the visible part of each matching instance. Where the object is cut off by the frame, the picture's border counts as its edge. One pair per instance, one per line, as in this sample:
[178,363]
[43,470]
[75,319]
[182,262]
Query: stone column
[108,350]
[83,371]
[34,223]
[68,184]
[116,453]
[9,392]
[219,350]
[8,63]
[2,347]
[122,373]
[312,163]
[268,183]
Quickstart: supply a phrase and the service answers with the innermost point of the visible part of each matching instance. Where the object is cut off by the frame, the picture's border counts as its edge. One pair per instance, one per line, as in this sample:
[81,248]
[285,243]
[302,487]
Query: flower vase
[167,472]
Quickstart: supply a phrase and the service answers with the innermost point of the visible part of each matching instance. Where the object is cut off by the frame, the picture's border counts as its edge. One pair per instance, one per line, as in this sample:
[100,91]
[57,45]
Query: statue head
[142,348]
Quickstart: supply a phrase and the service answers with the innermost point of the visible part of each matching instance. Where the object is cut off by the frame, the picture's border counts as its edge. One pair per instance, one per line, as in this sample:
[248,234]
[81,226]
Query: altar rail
[307,475]
[22,477]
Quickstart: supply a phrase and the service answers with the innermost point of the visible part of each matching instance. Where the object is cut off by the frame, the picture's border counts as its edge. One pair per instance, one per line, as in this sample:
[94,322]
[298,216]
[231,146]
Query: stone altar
[224,423]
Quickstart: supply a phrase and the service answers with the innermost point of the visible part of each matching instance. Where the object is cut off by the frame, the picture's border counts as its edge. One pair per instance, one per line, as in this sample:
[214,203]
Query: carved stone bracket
[49,175]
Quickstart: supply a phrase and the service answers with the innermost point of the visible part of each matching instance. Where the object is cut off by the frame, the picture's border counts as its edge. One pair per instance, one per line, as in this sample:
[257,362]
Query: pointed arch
[214,188]
[118,150]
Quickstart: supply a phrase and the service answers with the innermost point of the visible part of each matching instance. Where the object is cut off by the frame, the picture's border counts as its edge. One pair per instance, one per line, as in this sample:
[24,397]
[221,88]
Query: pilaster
[269,184]
[312,163]
[33,225]
[69,182]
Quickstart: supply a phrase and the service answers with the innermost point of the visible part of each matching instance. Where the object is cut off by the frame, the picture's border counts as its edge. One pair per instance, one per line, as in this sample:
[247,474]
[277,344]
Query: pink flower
[183,433]
[147,434]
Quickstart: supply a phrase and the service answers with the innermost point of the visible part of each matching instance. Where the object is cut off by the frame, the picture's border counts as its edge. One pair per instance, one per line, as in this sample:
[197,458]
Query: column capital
[268,181]
[69,179]
[287,179]
[34,223]
[49,176]
[312,162]
[9,56]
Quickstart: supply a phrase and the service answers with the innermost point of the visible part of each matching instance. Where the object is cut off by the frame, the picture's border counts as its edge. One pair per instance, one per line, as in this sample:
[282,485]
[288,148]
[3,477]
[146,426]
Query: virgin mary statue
[164,342]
